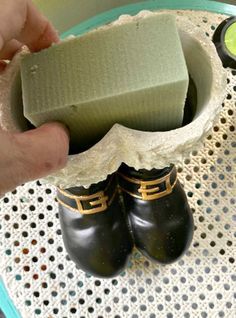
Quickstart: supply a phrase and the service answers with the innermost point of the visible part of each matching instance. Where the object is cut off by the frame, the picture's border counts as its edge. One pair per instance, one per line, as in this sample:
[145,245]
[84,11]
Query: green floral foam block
[132,73]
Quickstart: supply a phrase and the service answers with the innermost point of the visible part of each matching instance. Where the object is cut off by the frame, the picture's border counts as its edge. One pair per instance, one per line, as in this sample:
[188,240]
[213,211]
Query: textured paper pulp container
[138,149]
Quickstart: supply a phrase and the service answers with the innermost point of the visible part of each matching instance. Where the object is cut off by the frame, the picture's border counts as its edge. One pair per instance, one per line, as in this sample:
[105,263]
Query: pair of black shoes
[148,209]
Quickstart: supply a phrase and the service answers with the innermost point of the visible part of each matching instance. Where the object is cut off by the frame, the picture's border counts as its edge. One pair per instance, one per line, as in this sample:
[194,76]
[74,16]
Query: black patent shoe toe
[164,237]
[161,220]
[94,228]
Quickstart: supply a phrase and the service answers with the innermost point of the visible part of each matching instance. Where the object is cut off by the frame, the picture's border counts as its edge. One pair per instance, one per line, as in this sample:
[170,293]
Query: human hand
[39,152]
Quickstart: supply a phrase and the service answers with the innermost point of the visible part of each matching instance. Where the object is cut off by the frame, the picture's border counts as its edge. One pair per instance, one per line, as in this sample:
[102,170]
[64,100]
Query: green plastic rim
[6,304]
[133,9]
[230,39]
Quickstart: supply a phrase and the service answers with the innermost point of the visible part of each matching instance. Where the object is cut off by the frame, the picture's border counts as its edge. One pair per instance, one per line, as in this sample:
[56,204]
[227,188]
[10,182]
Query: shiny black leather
[162,228]
[98,243]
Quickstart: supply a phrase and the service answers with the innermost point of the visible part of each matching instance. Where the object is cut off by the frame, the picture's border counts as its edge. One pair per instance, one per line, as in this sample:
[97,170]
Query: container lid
[224,39]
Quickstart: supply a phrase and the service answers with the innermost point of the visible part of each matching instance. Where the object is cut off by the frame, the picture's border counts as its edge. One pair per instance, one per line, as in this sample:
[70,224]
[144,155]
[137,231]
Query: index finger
[21,20]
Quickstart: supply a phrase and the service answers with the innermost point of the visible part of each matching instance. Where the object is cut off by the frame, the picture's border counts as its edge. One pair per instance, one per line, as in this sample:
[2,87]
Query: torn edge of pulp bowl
[141,150]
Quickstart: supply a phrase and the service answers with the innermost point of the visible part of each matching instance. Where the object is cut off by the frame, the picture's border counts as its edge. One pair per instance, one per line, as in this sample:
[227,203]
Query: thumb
[43,150]
[32,154]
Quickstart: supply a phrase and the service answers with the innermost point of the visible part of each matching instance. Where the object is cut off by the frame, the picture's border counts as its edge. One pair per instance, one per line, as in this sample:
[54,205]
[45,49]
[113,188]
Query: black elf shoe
[158,211]
[94,228]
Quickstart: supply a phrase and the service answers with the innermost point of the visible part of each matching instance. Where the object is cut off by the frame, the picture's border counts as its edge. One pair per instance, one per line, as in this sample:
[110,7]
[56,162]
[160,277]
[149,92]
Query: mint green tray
[6,304]
[132,9]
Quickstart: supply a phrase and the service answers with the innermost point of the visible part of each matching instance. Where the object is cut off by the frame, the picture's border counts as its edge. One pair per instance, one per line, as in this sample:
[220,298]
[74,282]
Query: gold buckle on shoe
[98,205]
[149,190]
[96,202]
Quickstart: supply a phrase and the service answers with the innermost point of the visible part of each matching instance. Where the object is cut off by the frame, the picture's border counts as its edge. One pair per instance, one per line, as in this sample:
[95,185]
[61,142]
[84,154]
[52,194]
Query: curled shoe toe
[159,214]
[94,228]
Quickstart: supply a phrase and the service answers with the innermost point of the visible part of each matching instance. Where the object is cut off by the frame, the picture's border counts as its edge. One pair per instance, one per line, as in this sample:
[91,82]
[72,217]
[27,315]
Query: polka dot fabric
[44,283]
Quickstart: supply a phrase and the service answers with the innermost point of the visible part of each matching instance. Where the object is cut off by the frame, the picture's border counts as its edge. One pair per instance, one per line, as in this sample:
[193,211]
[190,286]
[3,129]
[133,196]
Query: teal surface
[6,304]
[132,9]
